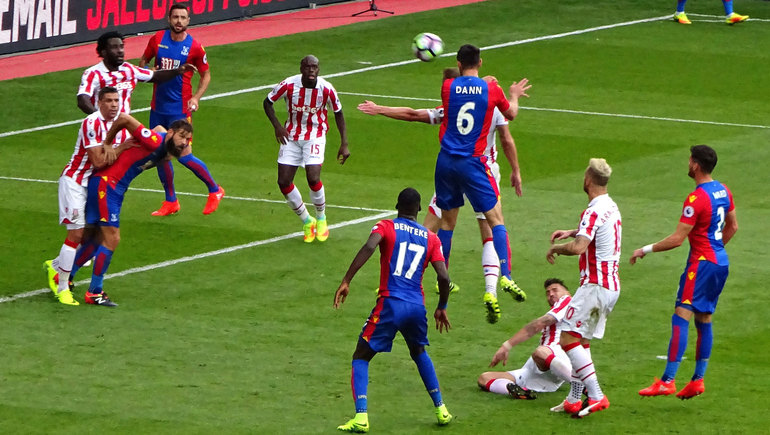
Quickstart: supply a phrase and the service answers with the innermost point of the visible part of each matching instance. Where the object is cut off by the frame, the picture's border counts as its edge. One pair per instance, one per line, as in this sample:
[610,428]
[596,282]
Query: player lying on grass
[549,366]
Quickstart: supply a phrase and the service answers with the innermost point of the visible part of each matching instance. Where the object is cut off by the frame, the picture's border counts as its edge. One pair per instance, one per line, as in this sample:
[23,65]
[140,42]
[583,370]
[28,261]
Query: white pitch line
[237,198]
[372,68]
[580,112]
[200,256]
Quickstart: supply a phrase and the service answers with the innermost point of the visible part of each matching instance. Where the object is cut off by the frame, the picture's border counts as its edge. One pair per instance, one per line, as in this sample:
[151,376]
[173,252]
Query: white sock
[319,200]
[498,386]
[562,369]
[294,199]
[491,265]
[585,371]
[64,264]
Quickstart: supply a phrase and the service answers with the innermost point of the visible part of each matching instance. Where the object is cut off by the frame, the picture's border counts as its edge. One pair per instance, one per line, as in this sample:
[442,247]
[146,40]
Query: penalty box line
[201,256]
[372,68]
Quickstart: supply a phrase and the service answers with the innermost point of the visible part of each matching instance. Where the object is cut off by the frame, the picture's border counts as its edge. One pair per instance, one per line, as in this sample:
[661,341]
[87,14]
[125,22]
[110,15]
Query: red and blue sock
[102,260]
[85,252]
[359,382]
[166,177]
[503,249]
[428,375]
[676,347]
[445,236]
[200,170]
[703,349]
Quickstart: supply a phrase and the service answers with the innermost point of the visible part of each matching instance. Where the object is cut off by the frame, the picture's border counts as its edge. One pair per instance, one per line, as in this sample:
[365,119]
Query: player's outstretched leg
[359,383]
[166,176]
[95,295]
[294,201]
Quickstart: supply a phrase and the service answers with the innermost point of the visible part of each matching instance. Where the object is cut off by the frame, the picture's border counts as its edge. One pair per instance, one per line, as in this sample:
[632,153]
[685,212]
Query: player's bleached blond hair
[600,171]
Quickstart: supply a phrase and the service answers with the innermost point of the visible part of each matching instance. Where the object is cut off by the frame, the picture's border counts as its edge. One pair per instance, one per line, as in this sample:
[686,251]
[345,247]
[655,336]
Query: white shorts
[494,167]
[532,378]
[72,203]
[302,152]
[588,310]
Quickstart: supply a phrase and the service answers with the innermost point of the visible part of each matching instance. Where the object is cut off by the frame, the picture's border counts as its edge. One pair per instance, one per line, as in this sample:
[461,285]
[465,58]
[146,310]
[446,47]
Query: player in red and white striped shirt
[597,242]
[549,366]
[303,140]
[89,154]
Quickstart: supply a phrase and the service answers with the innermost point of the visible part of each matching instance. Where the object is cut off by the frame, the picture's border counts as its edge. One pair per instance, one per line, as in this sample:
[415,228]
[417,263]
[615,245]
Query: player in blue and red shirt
[709,221]
[406,249]
[107,188]
[461,167]
[174,100]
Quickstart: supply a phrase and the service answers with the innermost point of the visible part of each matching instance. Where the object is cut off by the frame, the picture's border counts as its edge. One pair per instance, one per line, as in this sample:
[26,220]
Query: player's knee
[484,379]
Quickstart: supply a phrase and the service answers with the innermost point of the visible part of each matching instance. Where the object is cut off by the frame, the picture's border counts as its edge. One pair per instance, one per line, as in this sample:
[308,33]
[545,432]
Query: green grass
[247,342]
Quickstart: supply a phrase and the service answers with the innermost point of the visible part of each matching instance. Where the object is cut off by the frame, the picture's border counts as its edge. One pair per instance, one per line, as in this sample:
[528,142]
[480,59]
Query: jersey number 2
[720,224]
[419,253]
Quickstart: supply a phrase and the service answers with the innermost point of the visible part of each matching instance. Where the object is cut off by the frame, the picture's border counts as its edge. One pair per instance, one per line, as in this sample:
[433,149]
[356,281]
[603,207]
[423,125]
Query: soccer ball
[427,46]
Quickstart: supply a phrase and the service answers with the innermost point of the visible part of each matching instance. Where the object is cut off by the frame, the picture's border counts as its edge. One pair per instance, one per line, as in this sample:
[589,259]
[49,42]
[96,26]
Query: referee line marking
[237,198]
[372,68]
[201,256]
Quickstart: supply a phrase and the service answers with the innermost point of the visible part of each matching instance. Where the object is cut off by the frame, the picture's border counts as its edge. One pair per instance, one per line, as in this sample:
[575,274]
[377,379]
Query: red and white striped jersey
[435,116]
[307,106]
[124,80]
[92,131]
[601,224]
[552,333]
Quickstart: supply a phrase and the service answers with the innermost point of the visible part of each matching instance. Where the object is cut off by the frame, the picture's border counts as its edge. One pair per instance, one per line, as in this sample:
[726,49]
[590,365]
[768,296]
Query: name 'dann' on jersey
[469,90]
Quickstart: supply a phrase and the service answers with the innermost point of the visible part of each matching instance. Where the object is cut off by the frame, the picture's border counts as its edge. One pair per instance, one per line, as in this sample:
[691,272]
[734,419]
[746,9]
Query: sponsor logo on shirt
[146,133]
[692,198]
[688,211]
[304,109]
[123,85]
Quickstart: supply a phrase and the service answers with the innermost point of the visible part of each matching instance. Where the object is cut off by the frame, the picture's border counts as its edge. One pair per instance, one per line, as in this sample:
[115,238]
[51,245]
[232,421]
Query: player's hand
[341,294]
[550,256]
[193,104]
[490,79]
[516,182]
[109,154]
[519,89]
[281,134]
[500,356]
[638,253]
[560,235]
[369,107]
[186,68]
[343,154]
[442,321]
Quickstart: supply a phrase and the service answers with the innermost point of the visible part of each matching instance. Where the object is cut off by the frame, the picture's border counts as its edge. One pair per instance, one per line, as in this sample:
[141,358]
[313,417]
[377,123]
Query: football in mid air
[427,46]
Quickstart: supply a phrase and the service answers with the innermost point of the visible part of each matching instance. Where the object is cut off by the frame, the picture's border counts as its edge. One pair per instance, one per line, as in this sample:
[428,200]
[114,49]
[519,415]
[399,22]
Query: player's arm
[575,247]
[521,336]
[123,121]
[509,149]
[672,241]
[165,75]
[563,234]
[343,153]
[515,91]
[281,134]
[360,259]
[440,315]
[203,84]
[400,113]
[105,155]
[84,104]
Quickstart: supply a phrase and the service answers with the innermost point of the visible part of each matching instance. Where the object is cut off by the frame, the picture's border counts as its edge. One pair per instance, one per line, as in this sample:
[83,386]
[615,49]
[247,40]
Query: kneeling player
[549,366]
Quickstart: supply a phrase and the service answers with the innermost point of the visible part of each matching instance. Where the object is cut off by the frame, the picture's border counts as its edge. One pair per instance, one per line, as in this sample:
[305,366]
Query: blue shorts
[103,203]
[394,315]
[700,286]
[471,176]
[165,119]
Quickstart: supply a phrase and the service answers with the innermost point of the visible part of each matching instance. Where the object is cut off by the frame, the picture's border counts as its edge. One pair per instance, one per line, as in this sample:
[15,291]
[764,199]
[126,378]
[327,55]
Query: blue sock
[446,243]
[428,375]
[728,4]
[703,349]
[166,177]
[502,248]
[200,170]
[680,5]
[676,346]
[102,260]
[359,380]
[84,253]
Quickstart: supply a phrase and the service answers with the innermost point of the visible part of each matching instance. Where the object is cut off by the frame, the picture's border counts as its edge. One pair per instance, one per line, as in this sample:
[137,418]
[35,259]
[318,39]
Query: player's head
[597,173]
[178,18]
[554,290]
[451,73]
[178,137]
[408,204]
[309,68]
[109,102]
[468,56]
[704,157]
[109,47]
